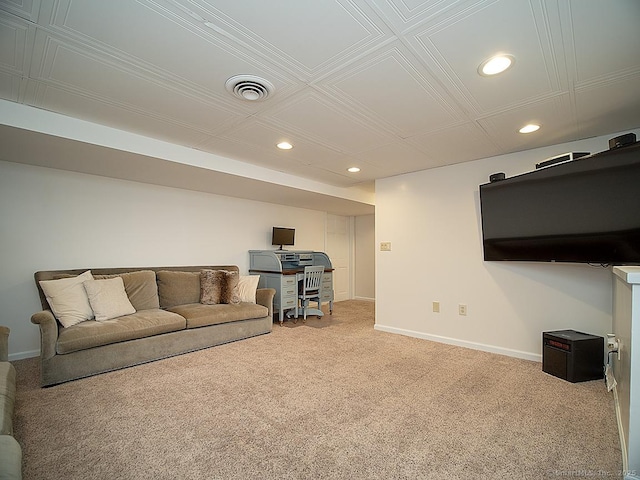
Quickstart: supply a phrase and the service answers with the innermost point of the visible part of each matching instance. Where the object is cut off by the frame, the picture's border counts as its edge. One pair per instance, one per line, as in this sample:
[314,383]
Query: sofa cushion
[144,323]
[219,286]
[108,299]
[140,286]
[200,315]
[7,397]
[68,299]
[178,288]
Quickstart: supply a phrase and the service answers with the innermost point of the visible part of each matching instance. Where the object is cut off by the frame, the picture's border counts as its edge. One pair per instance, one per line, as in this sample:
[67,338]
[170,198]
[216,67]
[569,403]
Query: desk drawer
[289,302]
[326,294]
[288,281]
[289,291]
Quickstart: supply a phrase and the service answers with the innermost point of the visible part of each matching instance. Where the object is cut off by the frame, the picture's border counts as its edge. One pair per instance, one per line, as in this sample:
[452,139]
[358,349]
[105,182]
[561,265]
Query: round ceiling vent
[249,87]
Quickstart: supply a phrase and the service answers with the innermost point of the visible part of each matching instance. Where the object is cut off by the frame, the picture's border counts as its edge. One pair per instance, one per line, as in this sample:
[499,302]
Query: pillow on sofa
[178,288]
[219,286]
[230,293]
[140,286]
[68,298]
[247,286]
[211,286]
[108,298]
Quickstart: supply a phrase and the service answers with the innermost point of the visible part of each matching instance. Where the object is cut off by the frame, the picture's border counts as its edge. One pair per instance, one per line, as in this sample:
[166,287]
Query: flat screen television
[586,210]
[283,236]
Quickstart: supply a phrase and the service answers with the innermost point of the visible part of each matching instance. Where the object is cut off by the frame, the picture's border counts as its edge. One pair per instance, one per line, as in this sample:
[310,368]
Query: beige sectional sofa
[163,317]
[10,451]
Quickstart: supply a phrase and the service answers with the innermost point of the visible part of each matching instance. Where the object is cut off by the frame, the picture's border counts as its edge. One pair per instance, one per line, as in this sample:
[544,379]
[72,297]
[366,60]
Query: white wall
[52,219]
[365,257]
[432,219]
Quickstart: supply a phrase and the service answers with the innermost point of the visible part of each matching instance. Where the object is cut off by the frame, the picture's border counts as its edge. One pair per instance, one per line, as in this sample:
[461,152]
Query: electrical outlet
[462,309]
[436,307]
[385,246]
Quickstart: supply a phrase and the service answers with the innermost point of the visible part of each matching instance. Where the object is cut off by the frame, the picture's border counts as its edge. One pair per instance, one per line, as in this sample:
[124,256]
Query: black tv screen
[283,236]
[586,210]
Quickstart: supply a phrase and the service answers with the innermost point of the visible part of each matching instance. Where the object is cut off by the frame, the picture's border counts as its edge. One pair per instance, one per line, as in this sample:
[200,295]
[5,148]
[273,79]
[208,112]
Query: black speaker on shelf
[622,141]
[496,177]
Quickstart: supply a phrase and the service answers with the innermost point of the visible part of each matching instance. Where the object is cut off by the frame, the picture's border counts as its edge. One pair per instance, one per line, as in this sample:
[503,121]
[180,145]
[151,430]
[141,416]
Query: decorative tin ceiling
[390,86]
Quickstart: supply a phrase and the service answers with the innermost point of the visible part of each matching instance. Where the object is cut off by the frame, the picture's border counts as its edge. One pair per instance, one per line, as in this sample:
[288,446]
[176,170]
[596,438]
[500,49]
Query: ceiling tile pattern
[393,92]
[390,86]
[308,40]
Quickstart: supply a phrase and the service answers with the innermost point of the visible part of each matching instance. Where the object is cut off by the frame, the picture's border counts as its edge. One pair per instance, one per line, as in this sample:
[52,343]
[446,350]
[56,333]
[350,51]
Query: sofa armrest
[4,344]
[264,296]
[10,458]
[48,332]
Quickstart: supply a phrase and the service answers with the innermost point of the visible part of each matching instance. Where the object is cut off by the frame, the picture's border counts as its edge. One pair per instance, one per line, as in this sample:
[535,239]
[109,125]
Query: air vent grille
[249,87]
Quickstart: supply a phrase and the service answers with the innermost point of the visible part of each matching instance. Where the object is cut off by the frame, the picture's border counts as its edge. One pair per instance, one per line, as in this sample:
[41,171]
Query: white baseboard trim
[23,355]
[462,343]
[366,299]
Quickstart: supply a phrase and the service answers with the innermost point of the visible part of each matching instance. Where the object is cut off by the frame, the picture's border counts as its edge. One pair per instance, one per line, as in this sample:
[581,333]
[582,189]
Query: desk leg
[330,307]
[281,314]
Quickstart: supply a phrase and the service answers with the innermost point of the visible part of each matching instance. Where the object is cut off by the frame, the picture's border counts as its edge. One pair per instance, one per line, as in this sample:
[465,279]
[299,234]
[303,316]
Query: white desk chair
[310,290]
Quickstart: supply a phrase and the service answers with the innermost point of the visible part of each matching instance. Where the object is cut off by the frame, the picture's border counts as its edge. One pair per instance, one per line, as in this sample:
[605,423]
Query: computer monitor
[283,236]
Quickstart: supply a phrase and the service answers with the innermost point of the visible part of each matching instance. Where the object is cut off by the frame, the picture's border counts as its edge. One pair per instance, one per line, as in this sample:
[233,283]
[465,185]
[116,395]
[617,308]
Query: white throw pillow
[247,286]
[68,299]
[108,298]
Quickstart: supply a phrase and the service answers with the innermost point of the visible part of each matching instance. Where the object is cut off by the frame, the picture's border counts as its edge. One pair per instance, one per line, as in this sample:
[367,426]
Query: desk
[282,269]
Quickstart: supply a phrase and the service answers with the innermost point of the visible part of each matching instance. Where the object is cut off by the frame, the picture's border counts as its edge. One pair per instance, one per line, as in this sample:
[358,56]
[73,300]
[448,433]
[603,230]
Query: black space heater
[573,356]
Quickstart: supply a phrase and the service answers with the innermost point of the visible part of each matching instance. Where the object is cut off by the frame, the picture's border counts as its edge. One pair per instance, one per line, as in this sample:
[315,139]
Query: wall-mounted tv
[283,236]
[586,210]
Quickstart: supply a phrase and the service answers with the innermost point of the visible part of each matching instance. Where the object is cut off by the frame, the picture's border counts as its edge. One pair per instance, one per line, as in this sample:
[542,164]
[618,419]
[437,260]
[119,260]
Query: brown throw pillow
[231,293]
[219,286]
[210,286]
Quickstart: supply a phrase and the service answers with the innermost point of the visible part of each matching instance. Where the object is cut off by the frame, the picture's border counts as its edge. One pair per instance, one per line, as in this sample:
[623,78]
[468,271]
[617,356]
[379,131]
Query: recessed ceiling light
[496,64]
[530,128]
[353,169]
[284,146]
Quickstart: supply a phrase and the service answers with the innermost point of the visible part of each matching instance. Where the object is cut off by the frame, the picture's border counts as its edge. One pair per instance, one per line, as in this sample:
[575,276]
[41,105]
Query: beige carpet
[331,398]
